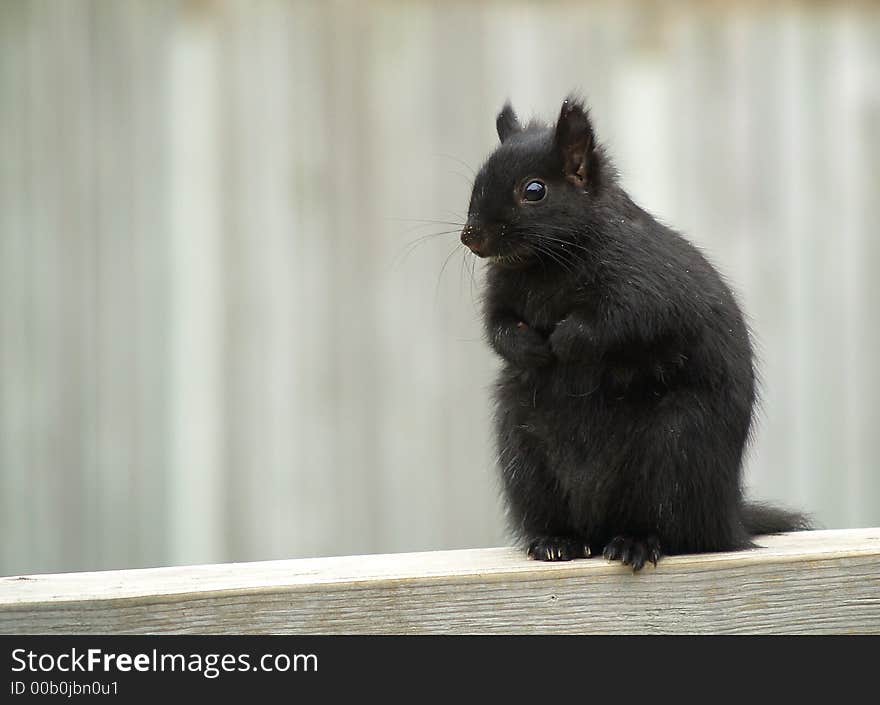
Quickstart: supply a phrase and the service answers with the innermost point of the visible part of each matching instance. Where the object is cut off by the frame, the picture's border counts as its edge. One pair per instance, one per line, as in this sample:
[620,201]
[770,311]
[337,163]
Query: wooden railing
[812,582]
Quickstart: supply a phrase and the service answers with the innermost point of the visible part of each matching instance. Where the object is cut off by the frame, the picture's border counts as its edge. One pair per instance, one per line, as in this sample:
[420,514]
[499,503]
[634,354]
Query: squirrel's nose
[473,239]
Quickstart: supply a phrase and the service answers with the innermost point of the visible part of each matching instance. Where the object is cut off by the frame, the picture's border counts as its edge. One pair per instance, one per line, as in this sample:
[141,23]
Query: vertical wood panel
[197,302]
[15,461]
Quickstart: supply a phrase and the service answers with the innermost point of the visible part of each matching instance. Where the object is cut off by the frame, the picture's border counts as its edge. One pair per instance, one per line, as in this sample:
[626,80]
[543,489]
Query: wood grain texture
[814,582]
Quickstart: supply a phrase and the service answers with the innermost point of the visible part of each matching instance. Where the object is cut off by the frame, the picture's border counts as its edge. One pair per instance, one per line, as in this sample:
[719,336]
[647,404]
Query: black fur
[624,405]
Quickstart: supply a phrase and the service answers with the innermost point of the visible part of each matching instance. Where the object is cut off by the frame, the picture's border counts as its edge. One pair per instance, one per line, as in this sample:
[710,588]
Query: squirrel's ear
[574,142]
[506,123]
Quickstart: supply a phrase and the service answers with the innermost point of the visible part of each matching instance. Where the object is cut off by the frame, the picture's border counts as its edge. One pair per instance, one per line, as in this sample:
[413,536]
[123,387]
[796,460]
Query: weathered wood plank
[815,582]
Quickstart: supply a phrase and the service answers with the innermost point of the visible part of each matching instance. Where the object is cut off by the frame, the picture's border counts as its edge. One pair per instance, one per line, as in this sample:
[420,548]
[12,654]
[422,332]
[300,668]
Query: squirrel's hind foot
[558,548]
[635,552]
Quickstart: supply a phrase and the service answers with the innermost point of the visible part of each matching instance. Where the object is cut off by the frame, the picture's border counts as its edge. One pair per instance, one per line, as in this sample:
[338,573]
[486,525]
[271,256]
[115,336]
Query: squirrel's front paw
[527,347]
[573,340]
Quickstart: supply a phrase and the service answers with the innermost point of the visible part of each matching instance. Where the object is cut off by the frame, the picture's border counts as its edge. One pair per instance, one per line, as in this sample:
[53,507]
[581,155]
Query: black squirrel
[624,404]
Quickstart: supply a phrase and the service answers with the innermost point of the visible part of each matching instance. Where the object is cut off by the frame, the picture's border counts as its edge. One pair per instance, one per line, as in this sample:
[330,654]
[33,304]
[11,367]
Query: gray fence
[215,342]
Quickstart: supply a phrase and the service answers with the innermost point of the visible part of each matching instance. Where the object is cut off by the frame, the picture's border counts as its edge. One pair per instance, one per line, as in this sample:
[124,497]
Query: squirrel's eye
[534,191]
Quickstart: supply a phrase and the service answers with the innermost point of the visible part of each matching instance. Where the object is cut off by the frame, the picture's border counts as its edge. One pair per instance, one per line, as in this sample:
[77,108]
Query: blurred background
[221,339]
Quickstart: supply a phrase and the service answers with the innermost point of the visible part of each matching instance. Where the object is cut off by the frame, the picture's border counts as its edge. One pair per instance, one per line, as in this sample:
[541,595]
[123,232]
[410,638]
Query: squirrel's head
[534,194]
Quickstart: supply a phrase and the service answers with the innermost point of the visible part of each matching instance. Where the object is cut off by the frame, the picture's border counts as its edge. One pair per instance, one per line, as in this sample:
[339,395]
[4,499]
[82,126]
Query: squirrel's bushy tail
[766,519]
